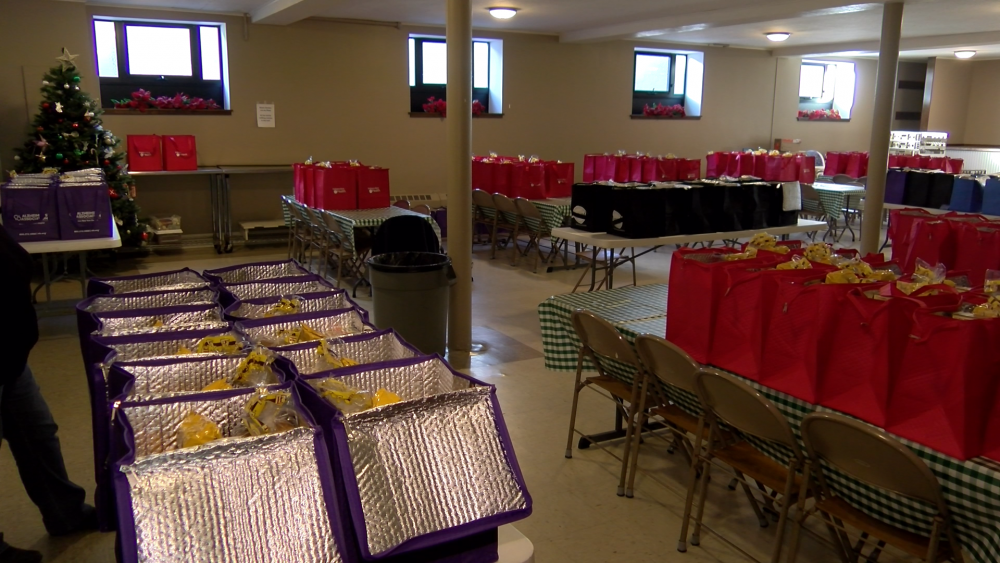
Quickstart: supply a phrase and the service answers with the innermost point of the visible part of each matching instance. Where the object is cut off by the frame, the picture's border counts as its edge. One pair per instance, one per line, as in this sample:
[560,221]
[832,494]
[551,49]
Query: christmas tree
[67,135]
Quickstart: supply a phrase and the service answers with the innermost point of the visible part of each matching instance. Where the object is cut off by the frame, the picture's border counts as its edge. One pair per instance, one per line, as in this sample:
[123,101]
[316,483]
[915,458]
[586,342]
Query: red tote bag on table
[896,161]
[716,164]
[180,152]
[955,165]
[931,241]
[836,163]
[781,169]
[745,164]
[559,179]
[501,178]
[688,169]
[943,393]
[977,249]
[912,161]
[589,168]
[299,172]
[635,168]
[373,187]
[862,347]
[807,168]
[667,169]
[857,164]
[482,176]
[901,225]
[760,165]
[527,180]
[335,188]
[937,163]
[651,170]
[622,169]
[604,167]
[144,153]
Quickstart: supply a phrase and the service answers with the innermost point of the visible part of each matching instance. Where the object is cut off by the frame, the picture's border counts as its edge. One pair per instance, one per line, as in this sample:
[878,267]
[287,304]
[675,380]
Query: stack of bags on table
[663,209]
[944,190]
[853,164]
[530,178]
[75,205]
[341,185]
[773,166]
[623,168]
[910,353]
[923,162]
[260,392]
[961,241]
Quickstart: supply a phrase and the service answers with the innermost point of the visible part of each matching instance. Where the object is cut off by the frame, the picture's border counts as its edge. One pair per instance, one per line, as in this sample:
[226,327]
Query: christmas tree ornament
[65,161]
[145,236]
[108,141]
[76,79]
[41,157]
[66,60]
[41,142]
[76,126]
[60,121]
[45,105]
[76,87]
[65,86]
[45,82]
[59,155]
[78,153]
[86,118]
[59,107]
[107,162]
[39,129]
[17,158]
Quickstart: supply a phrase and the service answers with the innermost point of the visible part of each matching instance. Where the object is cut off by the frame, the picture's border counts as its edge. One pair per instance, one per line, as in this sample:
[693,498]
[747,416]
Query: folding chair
[286,207]
[484,213]
[401,203]
[508,219]
[422,209]
[350,256]
[319,237]
[727,400]
[601,342]
[598,262]
[537,229]
[879,460]
[300,231]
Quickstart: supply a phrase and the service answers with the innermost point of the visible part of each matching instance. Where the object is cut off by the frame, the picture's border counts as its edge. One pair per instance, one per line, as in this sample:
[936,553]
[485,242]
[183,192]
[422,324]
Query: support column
[878,151]
[459,177]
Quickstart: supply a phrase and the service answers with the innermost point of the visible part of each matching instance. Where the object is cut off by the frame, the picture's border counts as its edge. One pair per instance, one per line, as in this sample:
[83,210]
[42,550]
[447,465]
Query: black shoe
[86,522]
[15,555]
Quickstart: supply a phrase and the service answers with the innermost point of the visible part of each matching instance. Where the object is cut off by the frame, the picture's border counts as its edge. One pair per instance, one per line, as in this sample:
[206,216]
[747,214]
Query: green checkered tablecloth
[835,198]
[971,488]
[554,212]
[372,218]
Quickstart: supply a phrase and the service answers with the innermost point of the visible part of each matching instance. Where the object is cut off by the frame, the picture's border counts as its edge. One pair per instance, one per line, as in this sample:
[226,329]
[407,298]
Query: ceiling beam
[924,43]
[285,12]
[713,14]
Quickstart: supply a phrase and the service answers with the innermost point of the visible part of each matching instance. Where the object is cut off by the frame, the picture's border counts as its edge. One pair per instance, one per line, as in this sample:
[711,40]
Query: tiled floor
[577,516]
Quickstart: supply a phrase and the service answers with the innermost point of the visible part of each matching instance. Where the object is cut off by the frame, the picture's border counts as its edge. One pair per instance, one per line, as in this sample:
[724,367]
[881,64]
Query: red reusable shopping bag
[733,165]
[912,161]
[501,177]
[482,176]
[745,165]
[760,165]
[896,161]
[801,305]
[716,164]
[589,166]
[807,168]
[688,169]
[925,162]
[931,241]
[373,187]
[335,188]
[955,165]
[938,163]
[667,169]
[861,348]
[781,169]
[857,164]
[635,167]
[650,170]
[527,180]
[144,153]
[622,170]
[559,179]
[943,394]
[604,167]
[180,152]
[836,163]
[901,225]
[299,172]
[977,249]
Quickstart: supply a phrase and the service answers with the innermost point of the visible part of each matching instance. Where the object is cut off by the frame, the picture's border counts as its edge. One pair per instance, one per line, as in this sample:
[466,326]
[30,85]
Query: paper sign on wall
[265,114]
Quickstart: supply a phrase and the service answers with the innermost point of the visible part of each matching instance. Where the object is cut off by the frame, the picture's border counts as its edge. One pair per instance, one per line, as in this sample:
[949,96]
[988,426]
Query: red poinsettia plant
[820,115]
[142,100]
[440,107]
[662,110]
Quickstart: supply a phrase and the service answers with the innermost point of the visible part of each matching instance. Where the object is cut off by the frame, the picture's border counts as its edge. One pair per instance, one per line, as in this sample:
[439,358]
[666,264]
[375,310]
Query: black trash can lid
[409,262]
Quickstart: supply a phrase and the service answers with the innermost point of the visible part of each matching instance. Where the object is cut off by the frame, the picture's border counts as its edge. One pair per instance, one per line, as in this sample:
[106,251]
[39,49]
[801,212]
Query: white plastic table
[513,547]
[607,241]
[80,247]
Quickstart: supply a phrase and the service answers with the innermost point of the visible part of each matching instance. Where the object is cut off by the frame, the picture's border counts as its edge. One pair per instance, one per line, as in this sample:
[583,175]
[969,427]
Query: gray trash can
[410,295]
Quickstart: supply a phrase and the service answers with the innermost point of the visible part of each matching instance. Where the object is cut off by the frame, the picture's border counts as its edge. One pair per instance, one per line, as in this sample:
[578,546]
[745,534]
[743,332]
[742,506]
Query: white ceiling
[932,27]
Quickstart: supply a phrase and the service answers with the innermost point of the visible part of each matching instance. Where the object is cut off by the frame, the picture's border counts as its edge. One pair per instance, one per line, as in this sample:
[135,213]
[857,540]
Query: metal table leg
[46,281]
[226,216]
[83,273]
[213,189]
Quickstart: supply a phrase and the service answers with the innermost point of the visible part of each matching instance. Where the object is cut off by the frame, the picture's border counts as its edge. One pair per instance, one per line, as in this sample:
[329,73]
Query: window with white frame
[164,57]
[826,88]
[667,78]
[428,71]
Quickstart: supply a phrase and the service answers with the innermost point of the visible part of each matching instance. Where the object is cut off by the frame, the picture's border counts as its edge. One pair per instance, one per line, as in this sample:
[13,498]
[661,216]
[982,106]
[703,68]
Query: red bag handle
[146,143]
[856,297]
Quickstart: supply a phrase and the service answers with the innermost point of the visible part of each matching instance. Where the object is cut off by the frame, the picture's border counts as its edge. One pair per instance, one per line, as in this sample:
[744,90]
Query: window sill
[122,111]
[480,116]
[686,117]
[824,120]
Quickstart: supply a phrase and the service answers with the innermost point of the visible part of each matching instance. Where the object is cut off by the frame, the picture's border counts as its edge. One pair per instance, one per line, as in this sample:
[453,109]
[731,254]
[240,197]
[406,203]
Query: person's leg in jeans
[27,426]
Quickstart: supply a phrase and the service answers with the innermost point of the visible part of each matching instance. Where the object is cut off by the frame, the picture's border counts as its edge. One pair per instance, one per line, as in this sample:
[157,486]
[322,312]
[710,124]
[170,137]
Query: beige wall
[982,124]
[341,92]
[950,98]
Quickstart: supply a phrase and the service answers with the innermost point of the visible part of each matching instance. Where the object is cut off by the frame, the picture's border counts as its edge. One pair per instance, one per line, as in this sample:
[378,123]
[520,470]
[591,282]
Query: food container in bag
[275,490]
[257,271]
[143,380]
[433,468]
[368,348]
[288,329]
[166,319]
[266,307]
[292,285]
[185,278]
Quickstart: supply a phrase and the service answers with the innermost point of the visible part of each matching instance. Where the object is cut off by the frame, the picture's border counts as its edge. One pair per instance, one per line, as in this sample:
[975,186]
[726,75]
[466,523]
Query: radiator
[977,159]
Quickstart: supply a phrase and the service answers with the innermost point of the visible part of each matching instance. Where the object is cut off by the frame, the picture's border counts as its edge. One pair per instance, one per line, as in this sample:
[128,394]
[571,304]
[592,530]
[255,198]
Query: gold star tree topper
[67,60]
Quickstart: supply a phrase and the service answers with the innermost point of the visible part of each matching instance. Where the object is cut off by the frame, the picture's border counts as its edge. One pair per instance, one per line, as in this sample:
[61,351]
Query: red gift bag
[179,152]
[650,170]
[622,170]
[781,169]
[301,182]
[836,163]
[901,225]
[335,188]
[925,162]
[373,187]
[559,179]
[482,176]
[688,169]
[955,165]
[745,164]
[944,391]
[937,163]
[667,169]
[144,153]
[501,177]
[635,167]
[896,161]
[604,167]
[716,164]
[912,161]
[807,168]
[527,180]
[589,167]
[977,249]
[857,165]
[862,347]
[733,165]
[760,165]
[931,241]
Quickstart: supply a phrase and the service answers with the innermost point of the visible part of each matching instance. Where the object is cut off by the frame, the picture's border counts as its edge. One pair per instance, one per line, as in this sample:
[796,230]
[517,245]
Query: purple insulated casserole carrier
[29,211]
[84,210]
[185,278]
[257,271]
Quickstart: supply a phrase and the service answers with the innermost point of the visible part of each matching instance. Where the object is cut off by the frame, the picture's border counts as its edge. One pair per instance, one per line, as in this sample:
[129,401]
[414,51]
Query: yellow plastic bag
[286,306]
[222,344]
[270,413]
[384,397]
[196,430]
[255,369]
[819,252]
[796,263]
[842,276]
[326,352]
[218,385]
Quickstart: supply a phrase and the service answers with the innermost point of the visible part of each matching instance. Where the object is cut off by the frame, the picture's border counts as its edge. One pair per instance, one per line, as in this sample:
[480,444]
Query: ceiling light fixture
[965,54]
[777,35]
[502,13]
